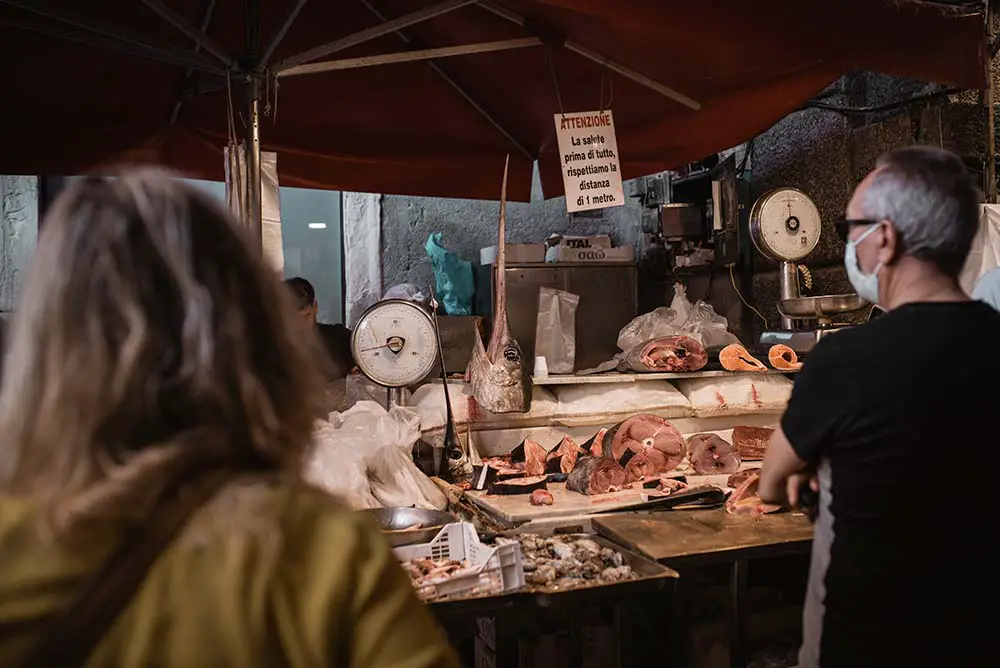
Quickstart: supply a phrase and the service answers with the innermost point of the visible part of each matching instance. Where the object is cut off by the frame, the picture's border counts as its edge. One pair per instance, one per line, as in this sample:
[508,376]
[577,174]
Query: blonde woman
[156,404]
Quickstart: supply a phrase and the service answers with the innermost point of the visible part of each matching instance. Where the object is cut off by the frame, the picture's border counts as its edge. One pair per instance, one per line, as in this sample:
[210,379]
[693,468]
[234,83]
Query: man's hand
[795,483]
[781,466]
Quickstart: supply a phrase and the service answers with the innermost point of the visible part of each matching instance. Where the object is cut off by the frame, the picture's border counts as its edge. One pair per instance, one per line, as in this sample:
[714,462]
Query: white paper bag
[555,329]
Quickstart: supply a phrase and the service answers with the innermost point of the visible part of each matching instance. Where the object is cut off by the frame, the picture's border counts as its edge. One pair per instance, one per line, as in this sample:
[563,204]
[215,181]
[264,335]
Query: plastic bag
[363,455]
[338,468]
[653,325]
[555,329]
[452,277]
[985,252]
[395,480]
[407,291]
[700,321]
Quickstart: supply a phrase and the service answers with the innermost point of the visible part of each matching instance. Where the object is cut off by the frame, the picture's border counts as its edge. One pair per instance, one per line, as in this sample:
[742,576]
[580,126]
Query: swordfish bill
[496,372]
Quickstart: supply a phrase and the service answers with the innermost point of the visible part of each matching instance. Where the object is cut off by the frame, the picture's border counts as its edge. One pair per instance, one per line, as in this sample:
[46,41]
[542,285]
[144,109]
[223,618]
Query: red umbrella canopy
[89,84]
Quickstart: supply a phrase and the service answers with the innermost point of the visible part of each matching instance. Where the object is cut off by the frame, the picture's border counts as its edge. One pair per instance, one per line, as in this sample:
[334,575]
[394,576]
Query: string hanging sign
[588,156]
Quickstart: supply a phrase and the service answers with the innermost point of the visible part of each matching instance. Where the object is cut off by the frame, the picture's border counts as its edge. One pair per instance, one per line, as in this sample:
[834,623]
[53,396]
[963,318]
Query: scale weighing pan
[816,307]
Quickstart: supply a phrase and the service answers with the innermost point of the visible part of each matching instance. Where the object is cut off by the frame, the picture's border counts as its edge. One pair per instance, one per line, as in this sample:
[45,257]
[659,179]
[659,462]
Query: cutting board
[516,508]
[666,536]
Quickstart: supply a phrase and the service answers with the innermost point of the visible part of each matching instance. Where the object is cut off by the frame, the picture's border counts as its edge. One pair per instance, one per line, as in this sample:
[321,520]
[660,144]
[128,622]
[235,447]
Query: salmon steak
[783,358]
[735,357]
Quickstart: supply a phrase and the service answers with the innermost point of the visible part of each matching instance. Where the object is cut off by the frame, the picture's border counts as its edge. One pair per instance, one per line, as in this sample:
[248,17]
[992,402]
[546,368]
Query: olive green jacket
[265,575]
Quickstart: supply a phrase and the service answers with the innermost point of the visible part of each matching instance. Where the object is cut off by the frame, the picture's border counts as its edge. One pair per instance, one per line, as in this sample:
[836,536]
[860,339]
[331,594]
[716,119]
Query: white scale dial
[785,225]
[394,343]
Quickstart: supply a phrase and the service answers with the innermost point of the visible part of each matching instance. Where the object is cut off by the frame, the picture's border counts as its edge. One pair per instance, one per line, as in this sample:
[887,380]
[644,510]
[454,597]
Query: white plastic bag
[337,467]
[395,479]
[653,325]
[555,329]
[700,321]
[363,456]
[407,291]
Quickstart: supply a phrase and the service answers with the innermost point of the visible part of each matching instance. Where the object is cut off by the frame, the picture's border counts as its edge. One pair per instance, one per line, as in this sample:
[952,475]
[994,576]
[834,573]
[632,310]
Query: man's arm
[780,464]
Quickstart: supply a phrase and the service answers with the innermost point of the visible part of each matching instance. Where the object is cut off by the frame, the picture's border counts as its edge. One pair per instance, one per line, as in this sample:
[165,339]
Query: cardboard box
[516,254]
[593,241]
[622,254]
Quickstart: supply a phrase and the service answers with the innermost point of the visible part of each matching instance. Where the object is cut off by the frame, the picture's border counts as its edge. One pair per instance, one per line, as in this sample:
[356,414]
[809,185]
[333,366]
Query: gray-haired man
[885,421]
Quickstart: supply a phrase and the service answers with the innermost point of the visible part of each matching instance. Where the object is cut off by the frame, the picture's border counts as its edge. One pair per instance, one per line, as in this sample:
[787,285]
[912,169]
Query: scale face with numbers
[785,225]
[395,344]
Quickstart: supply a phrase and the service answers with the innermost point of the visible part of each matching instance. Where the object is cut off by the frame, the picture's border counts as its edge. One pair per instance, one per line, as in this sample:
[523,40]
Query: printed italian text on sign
[588,153]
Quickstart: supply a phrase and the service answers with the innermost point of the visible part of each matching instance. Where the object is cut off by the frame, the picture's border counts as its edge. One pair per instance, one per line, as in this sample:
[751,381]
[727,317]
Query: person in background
[881,416]
[988,288]
[336,339]
[155,409]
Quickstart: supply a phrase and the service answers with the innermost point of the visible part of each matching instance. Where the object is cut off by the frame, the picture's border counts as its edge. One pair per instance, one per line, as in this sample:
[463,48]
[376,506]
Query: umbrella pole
[253,185]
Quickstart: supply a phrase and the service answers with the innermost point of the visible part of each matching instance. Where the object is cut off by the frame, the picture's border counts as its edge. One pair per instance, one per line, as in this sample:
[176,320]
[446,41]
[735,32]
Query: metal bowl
[817,307]
[406,526]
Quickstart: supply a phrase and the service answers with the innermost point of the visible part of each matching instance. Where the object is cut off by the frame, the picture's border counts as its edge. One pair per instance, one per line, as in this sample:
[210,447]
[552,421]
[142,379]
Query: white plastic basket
[495,570]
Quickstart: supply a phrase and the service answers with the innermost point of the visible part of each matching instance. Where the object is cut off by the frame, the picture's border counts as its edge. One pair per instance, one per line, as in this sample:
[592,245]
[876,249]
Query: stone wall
[469,225]
[18,232]
[825,153]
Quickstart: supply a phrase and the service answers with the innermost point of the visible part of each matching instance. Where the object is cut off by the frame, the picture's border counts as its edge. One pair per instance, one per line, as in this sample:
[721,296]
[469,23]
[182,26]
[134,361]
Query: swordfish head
[498,383]
[496,371]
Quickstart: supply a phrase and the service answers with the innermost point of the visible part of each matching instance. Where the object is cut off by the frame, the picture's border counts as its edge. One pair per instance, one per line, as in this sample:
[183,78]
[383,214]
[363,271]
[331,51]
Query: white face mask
[866,285]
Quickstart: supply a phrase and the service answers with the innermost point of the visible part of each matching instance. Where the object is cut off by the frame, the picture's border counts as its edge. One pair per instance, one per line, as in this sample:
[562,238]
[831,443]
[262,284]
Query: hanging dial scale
[394,343]
[785,225]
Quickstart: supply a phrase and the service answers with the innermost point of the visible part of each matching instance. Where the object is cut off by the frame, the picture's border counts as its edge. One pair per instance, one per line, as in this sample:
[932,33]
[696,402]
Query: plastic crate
[496,570]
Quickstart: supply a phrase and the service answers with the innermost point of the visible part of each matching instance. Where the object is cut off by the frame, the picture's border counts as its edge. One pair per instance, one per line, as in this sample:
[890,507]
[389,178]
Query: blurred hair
[150,334]
[303,291]
[931,199]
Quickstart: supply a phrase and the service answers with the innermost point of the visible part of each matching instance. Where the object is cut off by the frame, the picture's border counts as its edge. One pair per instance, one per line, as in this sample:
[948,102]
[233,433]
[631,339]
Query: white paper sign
[588,155]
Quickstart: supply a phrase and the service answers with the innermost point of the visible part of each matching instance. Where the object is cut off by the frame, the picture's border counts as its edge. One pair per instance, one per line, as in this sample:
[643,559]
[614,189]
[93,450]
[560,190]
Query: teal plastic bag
[453,280]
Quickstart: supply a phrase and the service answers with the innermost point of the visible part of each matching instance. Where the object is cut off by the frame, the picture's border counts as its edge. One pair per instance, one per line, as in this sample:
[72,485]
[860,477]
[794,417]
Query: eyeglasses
[843,225]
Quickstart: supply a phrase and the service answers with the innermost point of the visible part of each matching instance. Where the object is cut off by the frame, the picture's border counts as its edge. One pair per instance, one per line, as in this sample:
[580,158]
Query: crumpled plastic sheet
[698,320]
[364,456]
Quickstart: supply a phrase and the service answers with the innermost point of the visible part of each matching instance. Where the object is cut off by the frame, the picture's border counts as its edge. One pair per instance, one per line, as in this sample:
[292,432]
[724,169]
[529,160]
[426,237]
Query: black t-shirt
[901,415]
[336,340]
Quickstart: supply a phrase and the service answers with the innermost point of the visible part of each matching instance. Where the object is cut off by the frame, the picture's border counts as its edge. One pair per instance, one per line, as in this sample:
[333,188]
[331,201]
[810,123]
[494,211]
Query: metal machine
[695,215]
[395,344]
[785,226]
